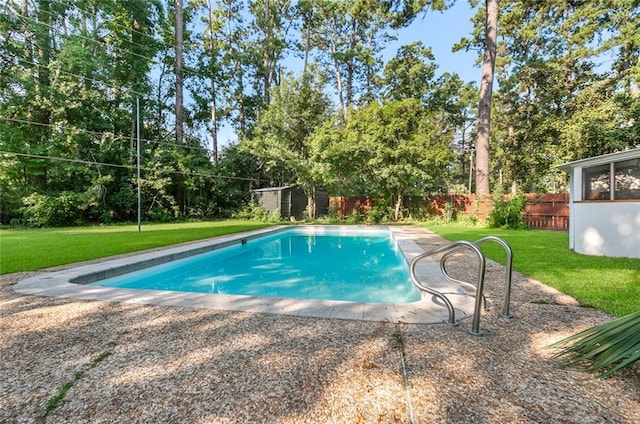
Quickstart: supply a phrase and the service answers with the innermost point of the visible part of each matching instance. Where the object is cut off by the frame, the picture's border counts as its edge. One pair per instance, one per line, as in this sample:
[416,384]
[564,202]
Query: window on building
[627,179]
[596,183]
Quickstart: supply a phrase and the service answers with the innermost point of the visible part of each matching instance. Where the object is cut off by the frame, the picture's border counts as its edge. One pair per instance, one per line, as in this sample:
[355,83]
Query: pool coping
[72,283]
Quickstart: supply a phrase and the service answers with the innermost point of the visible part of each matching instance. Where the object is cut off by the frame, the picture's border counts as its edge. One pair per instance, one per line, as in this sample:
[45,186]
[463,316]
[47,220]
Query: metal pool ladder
[449,250]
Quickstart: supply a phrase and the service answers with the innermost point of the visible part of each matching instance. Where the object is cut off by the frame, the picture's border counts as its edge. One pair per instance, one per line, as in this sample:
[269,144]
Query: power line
[104,83]
[107,85]
[86,162]
[56,16]
[101,134]
[130,167]
[42,124]
[116,24]
[26,62]
[102,43]
[151,60]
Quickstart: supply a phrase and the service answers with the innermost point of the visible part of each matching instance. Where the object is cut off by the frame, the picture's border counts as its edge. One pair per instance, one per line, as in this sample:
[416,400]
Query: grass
[34,249]
[54,401]
[609,284]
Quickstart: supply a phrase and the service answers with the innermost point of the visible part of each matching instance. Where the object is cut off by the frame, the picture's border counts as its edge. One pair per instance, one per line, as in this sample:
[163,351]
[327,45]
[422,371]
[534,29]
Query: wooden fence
[543,211]
[547,211]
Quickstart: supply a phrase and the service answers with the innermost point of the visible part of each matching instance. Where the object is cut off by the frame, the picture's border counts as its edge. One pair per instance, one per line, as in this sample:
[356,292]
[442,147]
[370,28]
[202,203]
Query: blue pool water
[295,263]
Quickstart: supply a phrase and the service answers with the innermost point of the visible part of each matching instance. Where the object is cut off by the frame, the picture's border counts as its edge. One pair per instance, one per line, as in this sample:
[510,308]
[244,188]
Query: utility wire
[151,60]
[165,45]
[131,91]
[72,15]
[101,134]
[102,43]
[96,81]
[130,167]
[88,13]
[103,83]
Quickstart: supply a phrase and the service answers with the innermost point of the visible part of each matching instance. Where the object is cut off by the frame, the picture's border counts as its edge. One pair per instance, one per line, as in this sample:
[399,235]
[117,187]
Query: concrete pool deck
[72,282]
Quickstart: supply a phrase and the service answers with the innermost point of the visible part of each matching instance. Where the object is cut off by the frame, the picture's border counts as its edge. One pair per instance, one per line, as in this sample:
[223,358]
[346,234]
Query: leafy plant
[276,216]
[507,213]
[379,213]
[62,209]
[604,349]
[253,212]
[448,213]
[353,217]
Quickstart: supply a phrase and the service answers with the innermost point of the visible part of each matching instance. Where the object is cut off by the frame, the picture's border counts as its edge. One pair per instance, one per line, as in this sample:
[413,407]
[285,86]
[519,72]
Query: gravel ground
[103,362]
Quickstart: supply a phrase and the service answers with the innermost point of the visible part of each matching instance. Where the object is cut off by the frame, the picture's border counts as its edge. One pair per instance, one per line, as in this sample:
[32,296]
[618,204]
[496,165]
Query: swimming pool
[74,282]
[306,263]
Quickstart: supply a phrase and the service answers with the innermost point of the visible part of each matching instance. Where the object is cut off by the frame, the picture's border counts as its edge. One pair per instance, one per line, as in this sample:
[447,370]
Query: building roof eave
[601,160]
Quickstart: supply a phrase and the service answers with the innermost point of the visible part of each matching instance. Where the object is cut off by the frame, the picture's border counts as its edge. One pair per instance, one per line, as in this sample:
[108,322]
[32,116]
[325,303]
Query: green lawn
[610,284]
[33,249]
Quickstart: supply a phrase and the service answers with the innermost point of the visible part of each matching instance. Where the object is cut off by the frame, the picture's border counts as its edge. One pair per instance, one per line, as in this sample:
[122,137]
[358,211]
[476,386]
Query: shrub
[253,212]
[332,212]
[63,209]
[353,217]
[276,216]
[449,213]
[507,213]
[379,213]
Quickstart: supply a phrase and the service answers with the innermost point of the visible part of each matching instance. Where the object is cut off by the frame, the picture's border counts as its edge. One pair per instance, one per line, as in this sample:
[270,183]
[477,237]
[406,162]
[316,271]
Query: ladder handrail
[457,245]
[505,313]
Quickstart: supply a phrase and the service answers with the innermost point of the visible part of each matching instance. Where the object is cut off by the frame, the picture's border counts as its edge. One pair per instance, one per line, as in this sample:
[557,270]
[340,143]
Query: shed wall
[602,228]
[298,203]
[290,201]
[269,200]
[607,228]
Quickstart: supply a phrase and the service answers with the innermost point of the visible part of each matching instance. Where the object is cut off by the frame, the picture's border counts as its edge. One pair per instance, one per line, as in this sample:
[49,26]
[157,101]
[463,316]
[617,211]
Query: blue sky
[438,30]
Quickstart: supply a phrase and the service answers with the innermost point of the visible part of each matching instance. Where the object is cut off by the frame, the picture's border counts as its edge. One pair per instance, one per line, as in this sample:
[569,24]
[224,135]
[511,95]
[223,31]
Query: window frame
[618,192]
[609,195]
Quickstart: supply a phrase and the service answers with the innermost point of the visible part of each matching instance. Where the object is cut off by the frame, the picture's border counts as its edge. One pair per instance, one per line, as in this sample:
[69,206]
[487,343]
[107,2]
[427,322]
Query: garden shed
[604,204]
[291,201]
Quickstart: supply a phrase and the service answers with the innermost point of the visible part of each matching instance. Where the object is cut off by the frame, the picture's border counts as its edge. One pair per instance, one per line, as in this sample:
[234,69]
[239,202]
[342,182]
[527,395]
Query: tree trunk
[42,109]
[307,49]
[484,106]
[311,202]
[635,87]
[266,56]
[214,118]
[353,43]
[179,73]
[511,134]
[396,215]
[238,73]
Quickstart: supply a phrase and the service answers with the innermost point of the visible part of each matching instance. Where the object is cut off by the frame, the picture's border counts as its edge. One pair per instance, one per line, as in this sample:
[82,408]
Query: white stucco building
[604,204]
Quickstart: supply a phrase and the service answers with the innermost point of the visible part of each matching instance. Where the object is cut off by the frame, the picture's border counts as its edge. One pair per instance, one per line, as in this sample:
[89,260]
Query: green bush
[507,213]
[378,214]
[353,217]
[332,212]
[276,216]
[65,208]
[253,212]
[449,214]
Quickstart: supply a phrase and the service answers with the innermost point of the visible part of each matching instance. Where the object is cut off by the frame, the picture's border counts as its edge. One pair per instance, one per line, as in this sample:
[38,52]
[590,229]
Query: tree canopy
[75,76]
